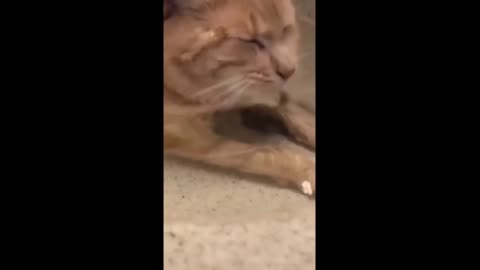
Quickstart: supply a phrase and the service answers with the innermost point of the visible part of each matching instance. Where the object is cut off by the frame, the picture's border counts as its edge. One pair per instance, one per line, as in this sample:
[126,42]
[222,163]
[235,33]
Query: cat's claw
[307,188]
[308,184]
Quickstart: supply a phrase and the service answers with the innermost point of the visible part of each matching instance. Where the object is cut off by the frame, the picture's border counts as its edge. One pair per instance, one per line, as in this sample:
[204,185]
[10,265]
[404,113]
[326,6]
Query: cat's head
[230,52]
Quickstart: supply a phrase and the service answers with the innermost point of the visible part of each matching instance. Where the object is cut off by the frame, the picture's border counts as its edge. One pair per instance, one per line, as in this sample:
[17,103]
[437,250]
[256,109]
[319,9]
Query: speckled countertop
[215,219]
[221,220]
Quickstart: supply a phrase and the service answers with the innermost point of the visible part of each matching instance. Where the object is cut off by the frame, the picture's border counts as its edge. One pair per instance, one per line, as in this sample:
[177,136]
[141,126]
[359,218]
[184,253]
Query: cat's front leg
[300,159]
[282,161]
[299,122]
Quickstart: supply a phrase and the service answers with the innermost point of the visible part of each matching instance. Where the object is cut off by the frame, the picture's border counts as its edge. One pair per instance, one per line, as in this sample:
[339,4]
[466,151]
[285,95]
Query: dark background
[83,128]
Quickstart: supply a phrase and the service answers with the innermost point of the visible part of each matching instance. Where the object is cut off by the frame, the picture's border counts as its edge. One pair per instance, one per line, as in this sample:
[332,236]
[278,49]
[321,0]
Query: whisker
[207,90]
[227,98]
[190,110]
[229,91]
[233,97]
[304,55]
[307,20]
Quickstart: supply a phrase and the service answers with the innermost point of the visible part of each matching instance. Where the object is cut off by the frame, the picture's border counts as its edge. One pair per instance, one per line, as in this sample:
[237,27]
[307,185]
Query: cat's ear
[186,4]
[166,9]
[170,7]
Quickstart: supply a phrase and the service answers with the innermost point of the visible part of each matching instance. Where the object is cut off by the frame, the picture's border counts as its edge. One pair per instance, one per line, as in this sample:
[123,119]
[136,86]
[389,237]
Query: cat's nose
[286,73]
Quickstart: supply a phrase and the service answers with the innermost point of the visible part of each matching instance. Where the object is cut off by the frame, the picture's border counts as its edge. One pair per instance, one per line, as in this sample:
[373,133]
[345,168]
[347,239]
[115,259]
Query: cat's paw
[307,188]
[308,185]
[305,179]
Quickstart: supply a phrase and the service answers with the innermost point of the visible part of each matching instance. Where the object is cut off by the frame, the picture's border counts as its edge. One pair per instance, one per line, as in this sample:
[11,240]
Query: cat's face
[233,52]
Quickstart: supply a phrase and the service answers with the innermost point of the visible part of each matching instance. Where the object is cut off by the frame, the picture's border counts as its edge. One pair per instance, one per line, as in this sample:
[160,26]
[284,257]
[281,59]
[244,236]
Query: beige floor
[221,220]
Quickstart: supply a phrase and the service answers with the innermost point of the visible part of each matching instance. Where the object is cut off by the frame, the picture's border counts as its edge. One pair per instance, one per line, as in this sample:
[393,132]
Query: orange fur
[222,55]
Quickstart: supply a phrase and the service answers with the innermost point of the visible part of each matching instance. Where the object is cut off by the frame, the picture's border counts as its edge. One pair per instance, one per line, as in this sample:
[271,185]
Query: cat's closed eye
[288,31]
[258,43]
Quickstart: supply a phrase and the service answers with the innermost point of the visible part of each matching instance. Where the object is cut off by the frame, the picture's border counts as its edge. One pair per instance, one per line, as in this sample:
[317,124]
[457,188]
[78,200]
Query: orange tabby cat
[233,57]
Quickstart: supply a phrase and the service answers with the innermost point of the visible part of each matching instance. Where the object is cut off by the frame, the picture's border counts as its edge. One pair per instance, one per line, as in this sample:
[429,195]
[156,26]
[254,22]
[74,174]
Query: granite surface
[215,219]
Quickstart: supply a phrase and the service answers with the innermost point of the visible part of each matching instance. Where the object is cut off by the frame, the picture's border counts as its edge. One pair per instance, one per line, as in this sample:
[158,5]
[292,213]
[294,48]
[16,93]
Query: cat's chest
[187,124]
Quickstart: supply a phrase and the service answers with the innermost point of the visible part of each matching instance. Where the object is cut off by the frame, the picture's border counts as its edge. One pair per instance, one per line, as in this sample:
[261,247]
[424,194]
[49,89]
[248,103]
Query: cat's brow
[270,15]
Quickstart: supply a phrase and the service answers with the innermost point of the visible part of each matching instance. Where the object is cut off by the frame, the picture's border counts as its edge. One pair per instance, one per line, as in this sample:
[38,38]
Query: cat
[226,62]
